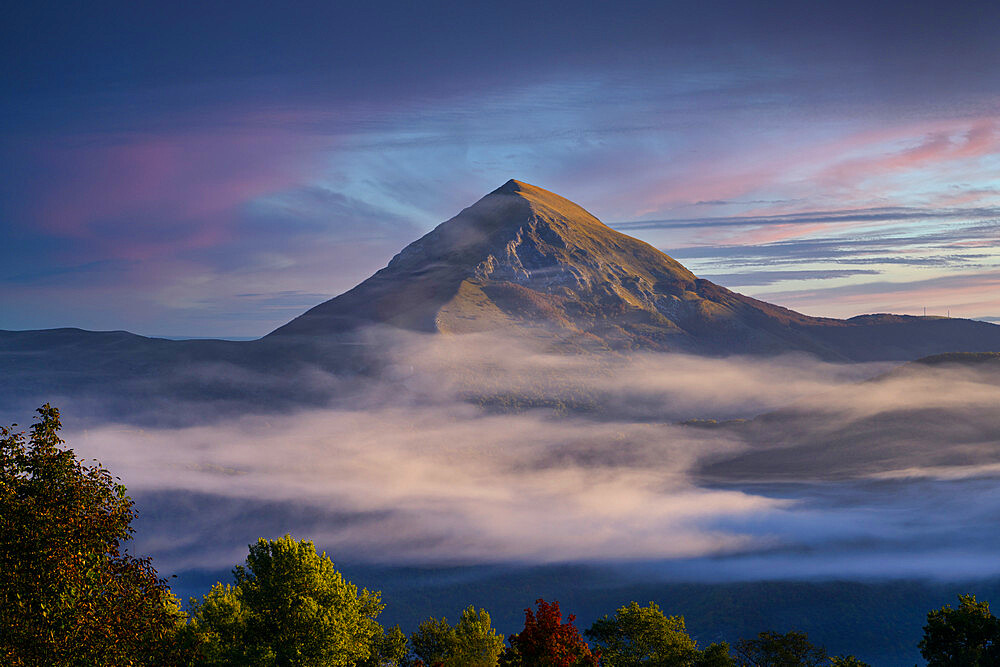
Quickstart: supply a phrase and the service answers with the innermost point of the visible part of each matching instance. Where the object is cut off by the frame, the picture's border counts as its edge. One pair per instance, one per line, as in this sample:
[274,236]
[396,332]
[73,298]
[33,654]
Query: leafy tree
[288,606]
[771,649]
[847,661]
[645,636]
[546,641]
[477,642]
[432,641]
[965,637]
[389,650]
[471,643]
[69,593]
[716,655]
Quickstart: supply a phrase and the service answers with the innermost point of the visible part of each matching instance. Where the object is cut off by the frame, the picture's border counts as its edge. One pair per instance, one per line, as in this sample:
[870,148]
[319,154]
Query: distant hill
[122,376]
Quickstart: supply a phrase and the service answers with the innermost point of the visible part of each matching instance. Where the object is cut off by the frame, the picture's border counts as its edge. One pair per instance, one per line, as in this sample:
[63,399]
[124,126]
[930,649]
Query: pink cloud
[980,140]
[704,181]
[964,295]
[854,170]
[967,197]
[937,148]
[165,192]
[775,233]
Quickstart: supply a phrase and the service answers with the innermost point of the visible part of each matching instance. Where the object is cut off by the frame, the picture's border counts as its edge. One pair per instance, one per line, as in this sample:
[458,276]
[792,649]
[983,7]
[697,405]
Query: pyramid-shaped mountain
[522,262]
[528,261]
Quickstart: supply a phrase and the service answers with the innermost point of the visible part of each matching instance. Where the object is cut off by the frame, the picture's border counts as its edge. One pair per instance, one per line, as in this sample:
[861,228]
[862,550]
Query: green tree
[389,650]
[433,640]
[288,606]
[716,655]
[965,637]
[477,643]
[771,649]
[69,593]
[471,643]
[642,635]
[646,636]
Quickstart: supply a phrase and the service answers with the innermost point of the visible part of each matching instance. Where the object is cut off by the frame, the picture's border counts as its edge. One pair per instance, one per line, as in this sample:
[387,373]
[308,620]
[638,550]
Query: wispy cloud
[975,295]
[881,214]
[770,277]
[940,147]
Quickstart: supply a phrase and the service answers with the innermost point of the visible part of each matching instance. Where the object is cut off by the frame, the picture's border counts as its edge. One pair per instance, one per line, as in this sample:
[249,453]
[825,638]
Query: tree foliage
[432,641]
[388,650]
[637,635]
[472,642]
[772,649]
[965,637]
[847,661]
[716,655]
[69,593]
[546,641]
[646,636]
[288,606]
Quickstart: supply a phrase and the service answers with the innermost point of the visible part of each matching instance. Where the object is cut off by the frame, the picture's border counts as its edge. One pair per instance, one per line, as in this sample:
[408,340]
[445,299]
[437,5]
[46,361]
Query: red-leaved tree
[546,641]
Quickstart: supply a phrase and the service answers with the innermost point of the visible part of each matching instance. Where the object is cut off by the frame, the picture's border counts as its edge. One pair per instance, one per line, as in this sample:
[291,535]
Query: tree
[546,641]
[847,661]
[642,635]
[967,636]
[288,606]
[69,593]
[477,643]
[645,636]
[389,650]
[716,655]
[771,649]
[432,641]
[471,643]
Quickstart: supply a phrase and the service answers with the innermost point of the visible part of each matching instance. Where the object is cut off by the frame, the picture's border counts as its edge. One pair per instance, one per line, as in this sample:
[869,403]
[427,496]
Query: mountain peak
[512,187]
[526,190]
[525,257]
[519,201]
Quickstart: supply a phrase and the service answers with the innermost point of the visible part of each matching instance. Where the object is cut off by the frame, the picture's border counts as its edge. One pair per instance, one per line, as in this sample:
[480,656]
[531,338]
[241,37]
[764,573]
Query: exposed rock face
[526,260]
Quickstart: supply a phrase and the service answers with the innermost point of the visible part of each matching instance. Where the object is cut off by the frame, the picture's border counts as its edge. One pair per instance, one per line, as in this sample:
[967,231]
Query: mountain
[522,262]
[529,262]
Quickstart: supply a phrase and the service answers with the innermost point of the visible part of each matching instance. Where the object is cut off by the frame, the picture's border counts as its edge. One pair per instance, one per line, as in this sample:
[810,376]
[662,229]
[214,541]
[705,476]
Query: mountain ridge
[524,257]
[526,260]
[522,263]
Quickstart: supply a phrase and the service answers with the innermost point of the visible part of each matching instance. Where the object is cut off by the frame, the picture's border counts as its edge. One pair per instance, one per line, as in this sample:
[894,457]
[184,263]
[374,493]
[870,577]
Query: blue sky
[214,169]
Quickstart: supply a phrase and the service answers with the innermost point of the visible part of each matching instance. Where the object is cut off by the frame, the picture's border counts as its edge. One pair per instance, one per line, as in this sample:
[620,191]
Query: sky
[215,169]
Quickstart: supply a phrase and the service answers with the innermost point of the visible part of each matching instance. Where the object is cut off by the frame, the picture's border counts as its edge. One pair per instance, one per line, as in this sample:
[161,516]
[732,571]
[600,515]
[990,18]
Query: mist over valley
[525,395]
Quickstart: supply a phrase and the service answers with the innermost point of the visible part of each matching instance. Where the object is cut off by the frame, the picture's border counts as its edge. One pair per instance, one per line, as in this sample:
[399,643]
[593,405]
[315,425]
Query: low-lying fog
[472,450]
